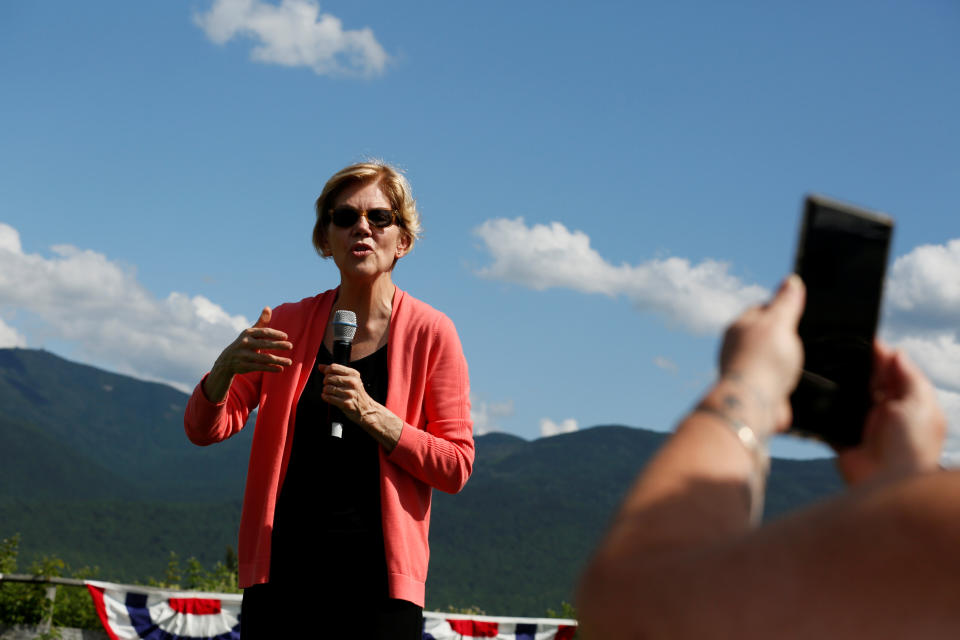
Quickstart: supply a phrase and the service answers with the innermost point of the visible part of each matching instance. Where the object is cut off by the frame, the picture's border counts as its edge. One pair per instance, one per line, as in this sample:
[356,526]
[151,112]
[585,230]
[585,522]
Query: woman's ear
[403,245]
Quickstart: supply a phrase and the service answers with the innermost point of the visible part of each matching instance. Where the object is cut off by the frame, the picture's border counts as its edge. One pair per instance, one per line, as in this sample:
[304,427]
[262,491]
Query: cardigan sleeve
[209,422]
[441,454]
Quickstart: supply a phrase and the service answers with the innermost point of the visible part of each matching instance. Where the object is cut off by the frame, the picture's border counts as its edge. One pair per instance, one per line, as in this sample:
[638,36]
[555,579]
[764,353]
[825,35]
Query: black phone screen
[841,257]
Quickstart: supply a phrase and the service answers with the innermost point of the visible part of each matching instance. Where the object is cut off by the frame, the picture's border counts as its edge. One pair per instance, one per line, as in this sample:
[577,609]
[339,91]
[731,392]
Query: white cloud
[82,297]
[550,428]
[295,34]
[9,239]
[666,364]
[702,297]
[924,286]
[486,415]
[922,301]
[10,337]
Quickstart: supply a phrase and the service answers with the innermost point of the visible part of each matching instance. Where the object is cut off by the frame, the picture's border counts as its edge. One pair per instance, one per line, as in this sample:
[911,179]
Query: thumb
[907,378]
[264,318]
[790,298]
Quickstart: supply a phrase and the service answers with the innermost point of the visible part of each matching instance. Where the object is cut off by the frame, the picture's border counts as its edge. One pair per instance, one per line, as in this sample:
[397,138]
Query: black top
[327,521]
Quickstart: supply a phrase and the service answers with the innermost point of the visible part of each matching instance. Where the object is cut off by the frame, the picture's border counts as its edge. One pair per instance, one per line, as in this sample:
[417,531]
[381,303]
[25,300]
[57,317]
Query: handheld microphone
[344,329]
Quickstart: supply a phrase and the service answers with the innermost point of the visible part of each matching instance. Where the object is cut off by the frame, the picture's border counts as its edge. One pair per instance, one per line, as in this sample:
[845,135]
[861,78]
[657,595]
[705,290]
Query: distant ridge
[107,477]
[129,429]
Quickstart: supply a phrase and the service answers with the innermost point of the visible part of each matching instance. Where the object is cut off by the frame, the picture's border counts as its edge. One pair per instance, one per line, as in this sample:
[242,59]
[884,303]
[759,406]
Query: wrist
[381,423]
[737,398]
[755,446]
[217,383]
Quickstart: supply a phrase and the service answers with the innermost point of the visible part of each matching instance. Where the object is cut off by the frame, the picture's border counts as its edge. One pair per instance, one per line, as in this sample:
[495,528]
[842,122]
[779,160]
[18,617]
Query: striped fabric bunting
[145,613]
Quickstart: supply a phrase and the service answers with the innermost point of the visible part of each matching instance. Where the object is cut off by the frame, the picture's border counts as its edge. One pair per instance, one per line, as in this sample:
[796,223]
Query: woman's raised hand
[244,355]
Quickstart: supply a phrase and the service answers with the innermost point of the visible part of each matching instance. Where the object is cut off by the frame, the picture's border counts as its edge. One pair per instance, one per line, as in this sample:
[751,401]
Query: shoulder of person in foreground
[878,561]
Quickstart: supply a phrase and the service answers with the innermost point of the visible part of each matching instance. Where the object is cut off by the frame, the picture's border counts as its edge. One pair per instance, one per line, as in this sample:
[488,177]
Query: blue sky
[603,186]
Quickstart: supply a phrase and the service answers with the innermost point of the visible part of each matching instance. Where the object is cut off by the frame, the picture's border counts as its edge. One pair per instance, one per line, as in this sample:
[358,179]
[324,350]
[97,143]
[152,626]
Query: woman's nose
[362,225]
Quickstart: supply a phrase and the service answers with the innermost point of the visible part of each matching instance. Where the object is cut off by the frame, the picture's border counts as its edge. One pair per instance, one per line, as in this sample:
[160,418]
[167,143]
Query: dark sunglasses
[346,217]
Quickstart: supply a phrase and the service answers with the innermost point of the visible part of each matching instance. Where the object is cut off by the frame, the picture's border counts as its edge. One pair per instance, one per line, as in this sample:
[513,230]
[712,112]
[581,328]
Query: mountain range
[95,468]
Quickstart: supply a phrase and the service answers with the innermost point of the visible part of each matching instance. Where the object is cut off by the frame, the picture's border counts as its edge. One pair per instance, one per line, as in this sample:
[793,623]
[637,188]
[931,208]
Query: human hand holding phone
[905,427]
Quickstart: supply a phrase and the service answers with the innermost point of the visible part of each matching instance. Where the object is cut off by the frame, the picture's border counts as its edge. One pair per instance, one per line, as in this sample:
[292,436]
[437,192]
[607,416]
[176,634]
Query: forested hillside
[95,468]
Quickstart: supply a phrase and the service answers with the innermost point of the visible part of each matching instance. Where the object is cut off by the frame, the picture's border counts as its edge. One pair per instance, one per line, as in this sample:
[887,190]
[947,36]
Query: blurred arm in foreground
[682,558]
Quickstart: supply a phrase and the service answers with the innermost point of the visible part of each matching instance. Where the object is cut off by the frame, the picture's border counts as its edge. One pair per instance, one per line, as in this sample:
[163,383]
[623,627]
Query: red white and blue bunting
[449,626]
[145,613]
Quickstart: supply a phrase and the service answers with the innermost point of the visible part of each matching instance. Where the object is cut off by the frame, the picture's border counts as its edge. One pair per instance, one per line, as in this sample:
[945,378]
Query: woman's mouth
[360,249]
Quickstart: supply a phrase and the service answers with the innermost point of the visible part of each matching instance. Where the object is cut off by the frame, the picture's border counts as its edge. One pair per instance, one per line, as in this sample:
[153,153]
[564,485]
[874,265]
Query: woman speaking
[333,534]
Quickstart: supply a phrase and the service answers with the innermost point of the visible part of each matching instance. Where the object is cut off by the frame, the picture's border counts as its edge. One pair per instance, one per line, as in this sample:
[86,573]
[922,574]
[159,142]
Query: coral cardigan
[428,388]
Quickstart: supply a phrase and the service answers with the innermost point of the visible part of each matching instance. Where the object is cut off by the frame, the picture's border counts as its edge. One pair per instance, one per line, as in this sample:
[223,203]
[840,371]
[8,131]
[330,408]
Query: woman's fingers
[245,354]
[276,343]
[265,333]
[260,336]
[269,358]
[340,377]
[343,388]
[254,361]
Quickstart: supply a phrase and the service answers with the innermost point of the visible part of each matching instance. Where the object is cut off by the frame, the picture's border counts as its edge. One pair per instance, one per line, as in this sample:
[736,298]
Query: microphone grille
[344,325]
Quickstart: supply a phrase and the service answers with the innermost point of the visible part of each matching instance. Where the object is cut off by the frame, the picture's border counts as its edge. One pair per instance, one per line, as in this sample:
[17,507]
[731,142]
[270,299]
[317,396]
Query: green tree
[222,578]
[27,603]
[20,603]
[172,576]
[568,611]
[471,610]
[74,607]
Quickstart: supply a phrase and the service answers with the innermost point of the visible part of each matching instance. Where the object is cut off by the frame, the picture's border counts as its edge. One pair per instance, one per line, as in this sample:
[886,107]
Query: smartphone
[842,258]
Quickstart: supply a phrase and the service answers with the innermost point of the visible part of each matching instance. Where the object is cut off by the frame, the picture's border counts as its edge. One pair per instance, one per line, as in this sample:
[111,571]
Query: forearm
[695,494]
[441,462]
[382,424]
[207,421]
[703,482]
[216,385]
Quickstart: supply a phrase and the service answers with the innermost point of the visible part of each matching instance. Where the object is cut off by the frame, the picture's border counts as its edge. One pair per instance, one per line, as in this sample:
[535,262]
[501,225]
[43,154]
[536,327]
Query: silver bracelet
[757,449]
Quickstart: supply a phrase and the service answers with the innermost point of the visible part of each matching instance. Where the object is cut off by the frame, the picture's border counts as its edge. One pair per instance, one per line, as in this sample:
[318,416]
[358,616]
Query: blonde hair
[393,185]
